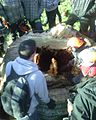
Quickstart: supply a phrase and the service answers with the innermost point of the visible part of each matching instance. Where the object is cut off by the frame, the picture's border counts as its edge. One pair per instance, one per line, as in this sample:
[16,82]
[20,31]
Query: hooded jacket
[36,80]
[84,105]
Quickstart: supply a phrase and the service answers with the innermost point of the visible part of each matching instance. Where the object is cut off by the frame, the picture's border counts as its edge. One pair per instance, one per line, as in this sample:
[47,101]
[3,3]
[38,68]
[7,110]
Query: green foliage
[65,10]
[8,37]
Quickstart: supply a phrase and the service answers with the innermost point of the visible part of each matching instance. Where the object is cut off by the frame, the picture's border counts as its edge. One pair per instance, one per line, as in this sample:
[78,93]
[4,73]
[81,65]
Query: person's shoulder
[37,77]
[39,73]
[89,85]
[36,73]
[9,63]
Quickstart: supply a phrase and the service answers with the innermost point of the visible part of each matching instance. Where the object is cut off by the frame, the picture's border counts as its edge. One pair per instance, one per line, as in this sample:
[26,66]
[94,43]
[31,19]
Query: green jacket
[86,8]
[84,105]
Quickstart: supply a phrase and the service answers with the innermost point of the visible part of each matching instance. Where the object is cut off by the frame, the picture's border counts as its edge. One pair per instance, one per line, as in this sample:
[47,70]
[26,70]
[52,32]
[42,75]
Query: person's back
[24,65]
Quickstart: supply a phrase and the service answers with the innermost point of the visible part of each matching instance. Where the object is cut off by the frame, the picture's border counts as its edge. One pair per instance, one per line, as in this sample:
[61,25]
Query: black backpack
[15,97]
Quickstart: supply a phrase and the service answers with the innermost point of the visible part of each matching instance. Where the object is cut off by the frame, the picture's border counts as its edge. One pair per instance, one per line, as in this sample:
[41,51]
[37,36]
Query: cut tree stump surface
[57,93]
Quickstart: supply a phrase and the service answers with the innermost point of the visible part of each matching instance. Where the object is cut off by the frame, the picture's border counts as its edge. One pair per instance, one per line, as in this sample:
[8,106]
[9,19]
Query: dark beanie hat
[27,48]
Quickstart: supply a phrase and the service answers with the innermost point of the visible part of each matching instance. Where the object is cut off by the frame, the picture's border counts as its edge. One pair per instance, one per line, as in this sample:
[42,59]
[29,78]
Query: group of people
[22,16]
[15,12]
[82,101]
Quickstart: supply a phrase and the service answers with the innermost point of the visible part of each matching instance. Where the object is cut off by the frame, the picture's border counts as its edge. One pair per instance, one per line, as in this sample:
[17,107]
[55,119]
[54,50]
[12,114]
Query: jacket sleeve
[80,109]
[8,68]
[91,12]
[41,87]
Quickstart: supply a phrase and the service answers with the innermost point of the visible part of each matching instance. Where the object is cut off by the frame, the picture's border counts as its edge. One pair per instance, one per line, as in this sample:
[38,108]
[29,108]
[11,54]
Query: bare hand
[69,107]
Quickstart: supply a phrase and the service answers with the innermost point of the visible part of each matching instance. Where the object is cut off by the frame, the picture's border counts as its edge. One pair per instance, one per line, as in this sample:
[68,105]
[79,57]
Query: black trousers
[51,16]
[86,24]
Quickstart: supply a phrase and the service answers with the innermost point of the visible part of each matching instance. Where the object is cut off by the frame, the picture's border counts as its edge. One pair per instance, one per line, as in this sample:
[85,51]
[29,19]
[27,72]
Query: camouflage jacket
[84,104]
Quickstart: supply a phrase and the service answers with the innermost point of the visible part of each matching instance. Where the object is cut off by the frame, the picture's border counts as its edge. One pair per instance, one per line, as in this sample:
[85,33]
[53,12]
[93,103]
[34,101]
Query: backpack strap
[12,75]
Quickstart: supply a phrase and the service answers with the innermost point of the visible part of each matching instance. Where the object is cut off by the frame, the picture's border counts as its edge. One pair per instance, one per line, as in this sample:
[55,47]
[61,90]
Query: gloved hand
[51,104]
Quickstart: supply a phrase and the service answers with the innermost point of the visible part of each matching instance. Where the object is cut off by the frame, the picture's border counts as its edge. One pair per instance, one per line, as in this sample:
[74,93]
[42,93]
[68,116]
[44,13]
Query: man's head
[87,59]
[27,48]
[88,56]
[75,42]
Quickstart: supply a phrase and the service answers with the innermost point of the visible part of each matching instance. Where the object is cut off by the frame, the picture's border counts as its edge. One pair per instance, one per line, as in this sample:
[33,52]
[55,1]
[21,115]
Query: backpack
[15,97]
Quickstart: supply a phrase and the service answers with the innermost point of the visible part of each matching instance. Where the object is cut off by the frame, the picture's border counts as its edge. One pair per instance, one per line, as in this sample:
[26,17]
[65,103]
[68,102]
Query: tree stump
[58,85]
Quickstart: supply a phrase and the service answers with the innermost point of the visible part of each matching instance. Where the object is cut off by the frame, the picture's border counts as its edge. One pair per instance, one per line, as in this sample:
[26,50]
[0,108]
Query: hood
[22,66]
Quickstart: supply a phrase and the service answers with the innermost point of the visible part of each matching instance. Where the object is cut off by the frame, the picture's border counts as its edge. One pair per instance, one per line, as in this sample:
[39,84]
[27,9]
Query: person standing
[83,11]
[13,13]
[57,14]
[13,10]
[32,11]
[51,8]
